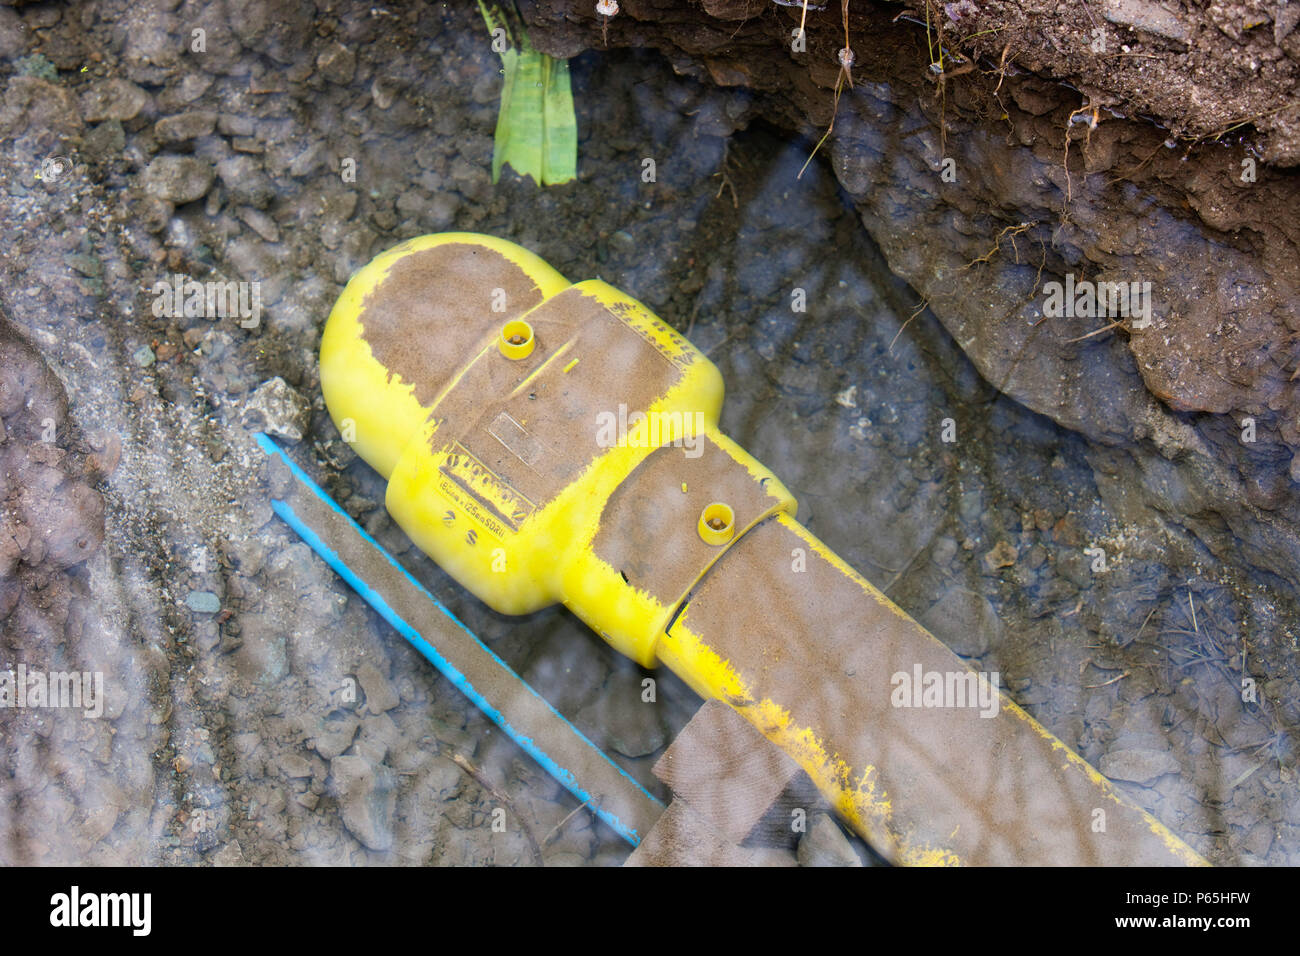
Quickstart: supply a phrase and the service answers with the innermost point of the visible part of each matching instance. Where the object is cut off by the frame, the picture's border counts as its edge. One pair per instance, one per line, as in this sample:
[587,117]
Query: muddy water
[236,736]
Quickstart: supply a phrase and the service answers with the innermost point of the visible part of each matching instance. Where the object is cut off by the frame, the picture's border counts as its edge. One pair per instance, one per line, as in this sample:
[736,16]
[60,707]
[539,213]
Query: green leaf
[537,132]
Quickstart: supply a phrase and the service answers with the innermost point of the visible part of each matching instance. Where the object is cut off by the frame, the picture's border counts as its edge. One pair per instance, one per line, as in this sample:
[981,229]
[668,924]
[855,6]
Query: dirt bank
[989,180]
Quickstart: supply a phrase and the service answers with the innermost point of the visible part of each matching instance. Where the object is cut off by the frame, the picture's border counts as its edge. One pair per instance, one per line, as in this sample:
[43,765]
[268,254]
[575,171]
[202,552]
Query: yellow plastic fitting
[516,341]
[717,524]
[525,479]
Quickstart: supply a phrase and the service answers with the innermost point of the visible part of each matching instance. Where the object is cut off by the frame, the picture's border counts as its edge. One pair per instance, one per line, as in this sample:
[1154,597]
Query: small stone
[335,737]
[87,265]
[13,33]
[1066,531]
[104,143]
[177,179]
[442,777]
[294,766]
[337,64]
[944,550]
[143,356]
[277,409]
[229,124]
[33,104]
[185,126]
[38,66]
[1285,20]
[1138,765]
[113,99]
[962,9]
[245,180]
[963,620]
[411,202]
[100,822]
[193,85]
[153,213]
[203,602]
[262,654]
[1147,17]
[825,844]
[380,696]
[366,797]
[1002,555]
[382,92]
[633,727]
[379,736]
[260,223]
[228,855]
[442,210]
[306,161]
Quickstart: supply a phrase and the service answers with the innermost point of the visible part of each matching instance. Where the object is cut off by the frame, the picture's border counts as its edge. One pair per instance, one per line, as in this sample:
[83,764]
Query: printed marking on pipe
[484,486]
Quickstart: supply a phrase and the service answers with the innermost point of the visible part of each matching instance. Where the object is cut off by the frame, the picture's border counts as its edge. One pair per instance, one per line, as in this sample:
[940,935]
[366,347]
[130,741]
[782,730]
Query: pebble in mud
[228,855]
[1138,765]
[12,33]
[632,725]
[185,126]
[243,178]
[104,143]
[262,656]
[260,223]
[335,737]
[44,113]
[380,695]
[177,179]
[366,798]
[278,409]
[112,99]
[965,621]
[337,64]
[825,844]
[1001,555]
[203,602]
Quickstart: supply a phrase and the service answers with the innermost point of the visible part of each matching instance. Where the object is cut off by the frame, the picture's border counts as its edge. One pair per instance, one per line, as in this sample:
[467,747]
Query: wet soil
[1200,70]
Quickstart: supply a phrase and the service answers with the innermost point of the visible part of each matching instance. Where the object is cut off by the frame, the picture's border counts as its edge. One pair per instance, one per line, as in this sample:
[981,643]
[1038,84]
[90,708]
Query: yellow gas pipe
[552,442]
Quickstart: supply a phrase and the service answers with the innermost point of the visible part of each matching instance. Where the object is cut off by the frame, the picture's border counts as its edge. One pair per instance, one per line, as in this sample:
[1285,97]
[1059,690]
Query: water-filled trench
[229,652]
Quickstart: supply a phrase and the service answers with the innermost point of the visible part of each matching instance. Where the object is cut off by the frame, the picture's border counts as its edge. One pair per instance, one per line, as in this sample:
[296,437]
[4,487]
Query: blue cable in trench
[376,601]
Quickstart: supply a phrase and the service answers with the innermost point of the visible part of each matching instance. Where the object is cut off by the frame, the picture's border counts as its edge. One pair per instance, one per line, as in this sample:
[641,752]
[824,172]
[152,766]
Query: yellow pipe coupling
[543,441]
